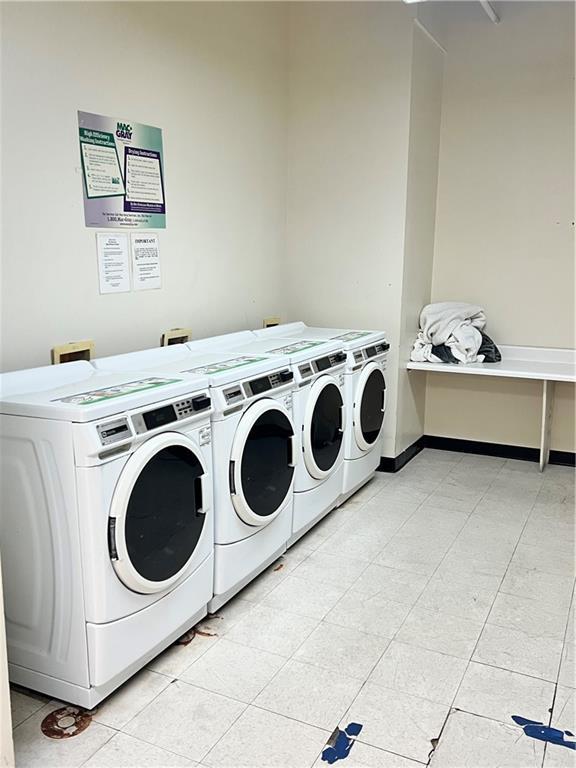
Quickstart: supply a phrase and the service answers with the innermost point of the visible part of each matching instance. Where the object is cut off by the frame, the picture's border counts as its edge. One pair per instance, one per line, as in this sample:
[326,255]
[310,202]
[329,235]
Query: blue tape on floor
[340,743]
[537,730]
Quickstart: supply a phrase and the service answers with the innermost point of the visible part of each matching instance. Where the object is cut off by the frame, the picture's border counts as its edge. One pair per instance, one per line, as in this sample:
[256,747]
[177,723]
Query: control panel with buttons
[166,414]
[266,383]
[374,350]
[330,361]
[192,405]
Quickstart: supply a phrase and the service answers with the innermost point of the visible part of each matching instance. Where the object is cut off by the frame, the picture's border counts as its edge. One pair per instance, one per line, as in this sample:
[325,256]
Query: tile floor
[433,606]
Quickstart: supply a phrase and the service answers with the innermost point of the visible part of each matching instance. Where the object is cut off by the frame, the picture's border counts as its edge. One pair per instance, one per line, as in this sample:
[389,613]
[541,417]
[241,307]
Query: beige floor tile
[375,615]
[476,742]
[264,583]
[24,704]
[389,584]
[499,694]
[342,650]
[413,556]
[131,698]
[225,617]
[234,670]
[261,739]
[397,722]
[457,598]
[186,720]
[557,559]
[310,694]
[419,672]
[554,590]
[517,651]
[272,630]
[294,594]
[358,545]
[528,615]
[123,751]
[175,659]
[440,632]
[330,569]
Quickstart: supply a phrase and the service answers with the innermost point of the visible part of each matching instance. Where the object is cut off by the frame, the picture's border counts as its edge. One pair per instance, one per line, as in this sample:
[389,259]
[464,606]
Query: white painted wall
[423,152]
[297,183]
[505,220]
[214,77]
[347,168]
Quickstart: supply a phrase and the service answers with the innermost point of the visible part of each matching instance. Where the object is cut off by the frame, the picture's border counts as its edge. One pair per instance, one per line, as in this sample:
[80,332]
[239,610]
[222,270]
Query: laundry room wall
[349,114]
[505,220]
[423,154]
[213,76]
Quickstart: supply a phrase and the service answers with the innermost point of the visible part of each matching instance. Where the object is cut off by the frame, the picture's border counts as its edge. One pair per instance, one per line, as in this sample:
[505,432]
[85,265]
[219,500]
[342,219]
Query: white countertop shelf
[541,363]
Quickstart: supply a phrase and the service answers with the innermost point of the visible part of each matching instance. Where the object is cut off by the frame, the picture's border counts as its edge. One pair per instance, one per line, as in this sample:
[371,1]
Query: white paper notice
[145,261]
[113,262]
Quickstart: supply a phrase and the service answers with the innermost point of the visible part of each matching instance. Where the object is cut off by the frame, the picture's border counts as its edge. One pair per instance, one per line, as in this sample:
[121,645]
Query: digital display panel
[159,417]
[323,363]
[260,385]
[370,351]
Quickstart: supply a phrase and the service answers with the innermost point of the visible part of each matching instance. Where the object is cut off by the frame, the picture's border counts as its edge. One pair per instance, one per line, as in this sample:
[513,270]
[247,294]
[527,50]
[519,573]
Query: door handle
[342,418]
[198,493]
[112,538]
[291,460]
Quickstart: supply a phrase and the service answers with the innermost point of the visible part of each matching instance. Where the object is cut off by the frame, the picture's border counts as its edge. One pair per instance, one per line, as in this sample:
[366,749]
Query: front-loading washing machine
[254,452]
[319,416]
[364,390]
[106,524]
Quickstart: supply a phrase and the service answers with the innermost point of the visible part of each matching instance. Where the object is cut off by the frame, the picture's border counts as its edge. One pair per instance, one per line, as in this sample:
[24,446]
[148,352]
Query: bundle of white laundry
[454,324]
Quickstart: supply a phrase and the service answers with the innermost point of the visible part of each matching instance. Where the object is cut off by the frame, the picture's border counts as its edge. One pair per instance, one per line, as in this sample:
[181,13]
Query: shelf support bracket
[547,409]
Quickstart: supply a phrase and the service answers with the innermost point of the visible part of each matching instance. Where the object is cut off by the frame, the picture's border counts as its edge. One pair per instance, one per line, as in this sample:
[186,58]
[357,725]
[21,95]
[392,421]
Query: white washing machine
[319,417]
[254,450]
[106,522]
[364,390]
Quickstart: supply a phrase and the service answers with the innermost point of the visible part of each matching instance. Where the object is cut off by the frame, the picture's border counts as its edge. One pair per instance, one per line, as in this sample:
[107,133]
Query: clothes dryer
[254,451]
[364,392]
[319,416]
[106,524]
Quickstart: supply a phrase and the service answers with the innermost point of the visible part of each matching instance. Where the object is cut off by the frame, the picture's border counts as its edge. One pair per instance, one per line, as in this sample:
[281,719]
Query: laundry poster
[122,173]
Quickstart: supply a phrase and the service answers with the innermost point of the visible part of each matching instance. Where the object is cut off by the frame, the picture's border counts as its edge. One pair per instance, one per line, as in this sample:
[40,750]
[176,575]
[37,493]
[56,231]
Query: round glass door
[323,427]
[160,516]
[262,462]
[369,406]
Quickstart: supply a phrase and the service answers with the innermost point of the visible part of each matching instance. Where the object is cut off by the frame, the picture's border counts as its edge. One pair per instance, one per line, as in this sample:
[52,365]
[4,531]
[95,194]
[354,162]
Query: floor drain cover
[65,722]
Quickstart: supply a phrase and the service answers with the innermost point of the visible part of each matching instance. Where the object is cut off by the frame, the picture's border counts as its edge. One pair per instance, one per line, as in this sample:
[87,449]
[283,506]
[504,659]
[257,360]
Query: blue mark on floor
[537,730]
[340,743]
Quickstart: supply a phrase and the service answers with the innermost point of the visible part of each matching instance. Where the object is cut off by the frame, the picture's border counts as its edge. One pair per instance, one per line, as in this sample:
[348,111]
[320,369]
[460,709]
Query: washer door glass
[163,523]
[263,470]
[372,406]
[326,427]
